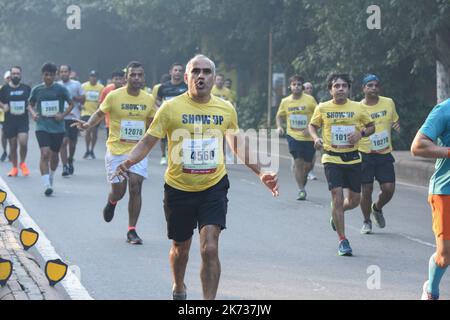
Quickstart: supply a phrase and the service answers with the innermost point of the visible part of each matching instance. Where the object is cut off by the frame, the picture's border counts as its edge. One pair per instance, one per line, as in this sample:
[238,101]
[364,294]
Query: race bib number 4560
[200,156]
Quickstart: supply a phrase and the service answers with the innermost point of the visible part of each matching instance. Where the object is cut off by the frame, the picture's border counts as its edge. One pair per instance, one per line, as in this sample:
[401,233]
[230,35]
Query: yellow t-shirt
[130,117]
[384,115]
[233,96]
[298,113]
[223,93]
[195,137]
[155,90]
[338,121]
[92,98]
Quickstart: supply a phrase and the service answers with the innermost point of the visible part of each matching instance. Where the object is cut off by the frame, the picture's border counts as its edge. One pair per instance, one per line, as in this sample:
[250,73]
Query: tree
[403,52]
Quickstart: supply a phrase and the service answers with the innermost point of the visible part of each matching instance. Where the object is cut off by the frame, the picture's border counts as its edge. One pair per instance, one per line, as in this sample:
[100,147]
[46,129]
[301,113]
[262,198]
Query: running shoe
[14,172]
[92,155]
[4,156]
[344,248]
[163,161]
[86,155]
[311,176]
[367,227]
[71,168]
[378,217]
[48,191]
[301,195]
[133,238]
[108,211]
[425,294]
[65,172]
[179,295]
[25,170]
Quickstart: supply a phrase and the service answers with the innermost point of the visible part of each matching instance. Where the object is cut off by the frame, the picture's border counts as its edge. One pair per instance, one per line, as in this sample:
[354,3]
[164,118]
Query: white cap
[7,74]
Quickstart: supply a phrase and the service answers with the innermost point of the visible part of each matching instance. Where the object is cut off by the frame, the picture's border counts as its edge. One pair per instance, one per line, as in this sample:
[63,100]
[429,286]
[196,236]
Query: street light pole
[269,95]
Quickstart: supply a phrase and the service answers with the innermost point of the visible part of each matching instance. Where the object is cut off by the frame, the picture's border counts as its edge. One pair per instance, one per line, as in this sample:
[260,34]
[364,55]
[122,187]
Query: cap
[7,74]
[370,77]
[93,73]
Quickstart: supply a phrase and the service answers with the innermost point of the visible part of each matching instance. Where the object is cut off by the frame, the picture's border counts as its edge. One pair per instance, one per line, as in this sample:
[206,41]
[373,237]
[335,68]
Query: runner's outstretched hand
[80,124]
[122,170]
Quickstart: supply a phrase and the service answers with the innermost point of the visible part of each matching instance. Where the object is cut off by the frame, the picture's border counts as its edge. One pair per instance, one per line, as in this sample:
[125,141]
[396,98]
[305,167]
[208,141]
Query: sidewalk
[28,281]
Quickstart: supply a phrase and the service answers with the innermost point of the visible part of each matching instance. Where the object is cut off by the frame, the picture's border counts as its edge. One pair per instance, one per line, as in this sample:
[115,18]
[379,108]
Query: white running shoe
[366,228]
[311,176]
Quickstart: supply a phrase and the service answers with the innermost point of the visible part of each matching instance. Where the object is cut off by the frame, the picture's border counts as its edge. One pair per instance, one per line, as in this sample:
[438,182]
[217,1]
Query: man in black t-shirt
[169,90]
[13,101]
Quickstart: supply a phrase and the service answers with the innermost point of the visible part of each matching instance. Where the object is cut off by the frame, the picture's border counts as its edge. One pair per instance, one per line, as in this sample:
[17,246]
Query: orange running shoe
[14,172]
[25,170]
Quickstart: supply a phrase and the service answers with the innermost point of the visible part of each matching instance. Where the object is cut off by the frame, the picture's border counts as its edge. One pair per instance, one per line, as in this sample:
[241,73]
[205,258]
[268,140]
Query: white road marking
[71,283]
[417,240]
[401,235]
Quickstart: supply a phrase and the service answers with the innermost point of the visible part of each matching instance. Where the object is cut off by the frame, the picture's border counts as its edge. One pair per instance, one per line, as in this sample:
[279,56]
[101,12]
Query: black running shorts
[13,127]
[185,211]
[343,176]
[379,167]
[301,149]
[51,140]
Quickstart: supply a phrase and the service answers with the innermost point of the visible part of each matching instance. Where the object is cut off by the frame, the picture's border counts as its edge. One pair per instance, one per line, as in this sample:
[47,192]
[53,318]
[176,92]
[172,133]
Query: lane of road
[273,248]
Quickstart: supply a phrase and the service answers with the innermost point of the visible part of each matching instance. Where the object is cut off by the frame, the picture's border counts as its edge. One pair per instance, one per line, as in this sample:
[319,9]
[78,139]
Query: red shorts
[440,205]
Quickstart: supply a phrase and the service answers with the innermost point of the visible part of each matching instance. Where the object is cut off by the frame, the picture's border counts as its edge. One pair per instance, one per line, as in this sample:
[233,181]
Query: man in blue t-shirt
[46,106]
[433,141]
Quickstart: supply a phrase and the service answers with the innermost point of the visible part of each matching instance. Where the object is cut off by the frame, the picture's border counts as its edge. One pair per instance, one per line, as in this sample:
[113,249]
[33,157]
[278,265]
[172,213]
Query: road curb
[413,170]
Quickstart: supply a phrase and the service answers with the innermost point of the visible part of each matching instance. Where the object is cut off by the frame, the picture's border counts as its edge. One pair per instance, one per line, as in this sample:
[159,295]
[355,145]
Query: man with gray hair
[196,188]
[309,89]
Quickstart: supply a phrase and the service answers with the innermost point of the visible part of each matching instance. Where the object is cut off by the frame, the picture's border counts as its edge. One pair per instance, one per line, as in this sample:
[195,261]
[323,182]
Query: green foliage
[252,110]
[311,37]
[402,53]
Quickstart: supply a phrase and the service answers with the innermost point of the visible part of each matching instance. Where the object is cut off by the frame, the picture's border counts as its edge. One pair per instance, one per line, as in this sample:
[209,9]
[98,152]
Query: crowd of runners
[192,114]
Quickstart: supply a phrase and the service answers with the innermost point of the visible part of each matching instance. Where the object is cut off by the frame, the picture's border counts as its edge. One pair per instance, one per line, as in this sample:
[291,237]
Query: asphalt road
[273,248]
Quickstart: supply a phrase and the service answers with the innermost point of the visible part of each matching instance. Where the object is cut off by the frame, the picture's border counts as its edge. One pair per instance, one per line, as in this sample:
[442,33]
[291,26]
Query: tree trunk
[443,82]
[443,66]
